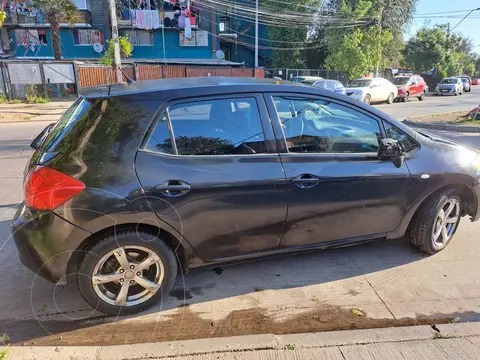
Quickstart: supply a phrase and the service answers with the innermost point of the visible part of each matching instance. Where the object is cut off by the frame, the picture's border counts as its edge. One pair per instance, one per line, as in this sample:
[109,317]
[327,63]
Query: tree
[56,10]
[126,49]
[358,51]
[435,48]
[286,37]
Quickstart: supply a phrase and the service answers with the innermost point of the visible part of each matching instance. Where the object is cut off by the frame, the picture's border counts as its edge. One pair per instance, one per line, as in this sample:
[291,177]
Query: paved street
[389,282]
[432,105]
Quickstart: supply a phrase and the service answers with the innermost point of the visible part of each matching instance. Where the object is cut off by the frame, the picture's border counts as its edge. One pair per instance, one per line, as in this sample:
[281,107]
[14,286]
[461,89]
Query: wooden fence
[94,75]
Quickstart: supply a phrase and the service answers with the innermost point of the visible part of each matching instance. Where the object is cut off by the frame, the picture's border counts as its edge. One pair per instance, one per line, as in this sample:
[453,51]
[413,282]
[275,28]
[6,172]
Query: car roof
[146,86]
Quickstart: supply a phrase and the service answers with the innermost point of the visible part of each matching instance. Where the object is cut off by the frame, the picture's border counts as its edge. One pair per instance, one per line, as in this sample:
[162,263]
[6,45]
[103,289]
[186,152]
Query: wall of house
[172,47]
[45,50]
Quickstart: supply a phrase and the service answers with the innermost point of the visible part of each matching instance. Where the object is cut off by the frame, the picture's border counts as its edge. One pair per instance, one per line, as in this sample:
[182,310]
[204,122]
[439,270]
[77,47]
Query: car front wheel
[436,222]
[367,99]
[126,273]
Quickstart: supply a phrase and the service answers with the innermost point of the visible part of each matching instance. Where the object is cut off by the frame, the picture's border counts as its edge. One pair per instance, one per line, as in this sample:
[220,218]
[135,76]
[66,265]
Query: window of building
[82,4]
[87,37]
[319,126]
[140,37]
[30,37]
[211,127]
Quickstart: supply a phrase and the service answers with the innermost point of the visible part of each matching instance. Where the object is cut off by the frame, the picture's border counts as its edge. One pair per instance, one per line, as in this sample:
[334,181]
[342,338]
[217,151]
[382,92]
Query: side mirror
[393,150]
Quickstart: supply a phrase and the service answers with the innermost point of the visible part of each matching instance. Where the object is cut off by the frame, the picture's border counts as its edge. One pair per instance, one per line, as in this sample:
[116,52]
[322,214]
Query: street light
[465,18]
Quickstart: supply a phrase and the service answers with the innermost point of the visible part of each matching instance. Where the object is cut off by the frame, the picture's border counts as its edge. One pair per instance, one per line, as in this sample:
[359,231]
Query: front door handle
[305,181]
[173,188]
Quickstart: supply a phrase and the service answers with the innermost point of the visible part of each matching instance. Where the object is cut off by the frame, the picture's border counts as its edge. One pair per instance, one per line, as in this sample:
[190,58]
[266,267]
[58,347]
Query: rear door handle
[305,181]
[173,188]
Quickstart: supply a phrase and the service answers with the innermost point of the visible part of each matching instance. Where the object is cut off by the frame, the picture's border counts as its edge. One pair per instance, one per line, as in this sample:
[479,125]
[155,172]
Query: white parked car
[449,86]
[372,90]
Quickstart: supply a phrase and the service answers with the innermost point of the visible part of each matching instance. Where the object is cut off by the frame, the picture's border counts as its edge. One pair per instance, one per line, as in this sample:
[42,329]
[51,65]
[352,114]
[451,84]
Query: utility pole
[117,62]
[379,48]
[256,33]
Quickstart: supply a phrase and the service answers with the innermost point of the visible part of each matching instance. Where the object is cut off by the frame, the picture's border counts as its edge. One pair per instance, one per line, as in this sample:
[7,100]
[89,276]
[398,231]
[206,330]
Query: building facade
[160,30]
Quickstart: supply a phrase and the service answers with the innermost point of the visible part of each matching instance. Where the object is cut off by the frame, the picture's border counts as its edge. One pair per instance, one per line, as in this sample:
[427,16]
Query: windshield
[298,79]
[400,80]
[448,81]
[361,83]
[75,112]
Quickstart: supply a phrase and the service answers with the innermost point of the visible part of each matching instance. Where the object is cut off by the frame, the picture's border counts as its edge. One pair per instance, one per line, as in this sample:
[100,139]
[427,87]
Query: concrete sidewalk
[450,341]
[50,112]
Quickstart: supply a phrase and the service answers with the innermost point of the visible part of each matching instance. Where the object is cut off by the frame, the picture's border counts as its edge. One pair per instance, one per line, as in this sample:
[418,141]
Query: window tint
[392,132]
[214,127]
[317,126]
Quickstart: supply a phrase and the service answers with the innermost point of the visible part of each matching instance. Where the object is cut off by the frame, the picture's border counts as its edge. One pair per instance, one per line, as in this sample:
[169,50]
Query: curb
[180,349]
[442,126]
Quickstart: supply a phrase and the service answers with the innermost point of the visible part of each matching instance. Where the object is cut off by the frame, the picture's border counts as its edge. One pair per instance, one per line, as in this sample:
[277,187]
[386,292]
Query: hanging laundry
[188,28]
[181,21]
[155,19]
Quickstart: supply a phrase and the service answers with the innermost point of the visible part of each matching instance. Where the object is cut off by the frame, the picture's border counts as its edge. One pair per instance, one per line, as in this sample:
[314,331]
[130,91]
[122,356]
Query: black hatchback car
[139,181]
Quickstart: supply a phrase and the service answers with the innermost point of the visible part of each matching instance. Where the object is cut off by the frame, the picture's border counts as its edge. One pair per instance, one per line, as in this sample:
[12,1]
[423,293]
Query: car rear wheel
[367,99]
[127,273]
[422,96]
[436,222]
[390,99]
[405,97]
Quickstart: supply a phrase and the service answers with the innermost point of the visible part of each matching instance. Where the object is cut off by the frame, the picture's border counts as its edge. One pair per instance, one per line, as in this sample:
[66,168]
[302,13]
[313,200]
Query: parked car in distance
[139,181]
[467,83]
[449,86]
[410,86]
[372,90]
[308,80]
[475,81]
[332,85]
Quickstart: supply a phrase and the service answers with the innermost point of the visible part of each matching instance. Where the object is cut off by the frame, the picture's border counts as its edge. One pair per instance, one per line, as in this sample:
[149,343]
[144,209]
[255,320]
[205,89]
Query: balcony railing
[127,18]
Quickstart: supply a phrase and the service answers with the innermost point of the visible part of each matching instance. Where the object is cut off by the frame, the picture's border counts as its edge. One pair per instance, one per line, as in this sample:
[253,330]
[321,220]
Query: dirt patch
[185,324]
[449,118]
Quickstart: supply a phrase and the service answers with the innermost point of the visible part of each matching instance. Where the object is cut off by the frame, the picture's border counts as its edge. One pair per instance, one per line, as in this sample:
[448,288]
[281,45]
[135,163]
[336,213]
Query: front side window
[211,127]
[392,132]
[319,126]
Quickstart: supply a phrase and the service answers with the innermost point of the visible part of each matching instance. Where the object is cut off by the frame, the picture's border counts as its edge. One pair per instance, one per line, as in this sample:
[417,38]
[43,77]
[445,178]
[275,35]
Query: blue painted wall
[68,47]
[172,47]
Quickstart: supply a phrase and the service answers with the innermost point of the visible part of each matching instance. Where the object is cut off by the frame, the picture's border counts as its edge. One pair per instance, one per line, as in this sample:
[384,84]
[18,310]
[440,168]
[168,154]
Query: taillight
[46,188]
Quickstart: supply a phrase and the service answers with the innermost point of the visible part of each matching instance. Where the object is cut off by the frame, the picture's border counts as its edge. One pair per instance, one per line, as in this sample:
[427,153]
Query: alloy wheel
[128,275]
[446,222]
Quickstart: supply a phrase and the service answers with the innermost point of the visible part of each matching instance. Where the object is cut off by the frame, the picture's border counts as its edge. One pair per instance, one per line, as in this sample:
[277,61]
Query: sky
[452,13]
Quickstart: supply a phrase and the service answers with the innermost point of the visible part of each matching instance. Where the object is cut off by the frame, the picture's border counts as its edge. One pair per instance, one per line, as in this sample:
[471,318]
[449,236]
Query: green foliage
[434,47]
[3,353]
[359,51]
[4,100]
[285,37]
[3,16]
[126,49]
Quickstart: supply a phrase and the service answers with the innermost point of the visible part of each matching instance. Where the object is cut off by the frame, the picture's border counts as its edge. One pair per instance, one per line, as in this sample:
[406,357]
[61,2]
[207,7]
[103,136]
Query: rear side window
[65,123]
[392,132]
[211,127]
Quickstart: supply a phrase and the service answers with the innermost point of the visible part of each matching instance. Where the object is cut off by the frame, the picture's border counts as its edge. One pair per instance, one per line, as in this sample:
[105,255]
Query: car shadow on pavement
[32,308]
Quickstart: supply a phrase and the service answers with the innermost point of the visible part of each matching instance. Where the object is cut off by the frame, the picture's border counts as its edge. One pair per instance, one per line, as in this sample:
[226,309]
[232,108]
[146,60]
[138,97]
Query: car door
[339,190]
[377,90]
[210,169]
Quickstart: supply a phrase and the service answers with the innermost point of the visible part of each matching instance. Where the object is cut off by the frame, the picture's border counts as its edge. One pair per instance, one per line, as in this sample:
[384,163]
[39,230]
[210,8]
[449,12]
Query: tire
[425,224]
[367,99]
[391,98]
[421,97]
[135,244]
[405,97]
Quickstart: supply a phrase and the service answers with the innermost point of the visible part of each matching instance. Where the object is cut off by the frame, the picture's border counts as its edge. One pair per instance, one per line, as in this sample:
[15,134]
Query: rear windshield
[66,122]
[400,80]
[448,81]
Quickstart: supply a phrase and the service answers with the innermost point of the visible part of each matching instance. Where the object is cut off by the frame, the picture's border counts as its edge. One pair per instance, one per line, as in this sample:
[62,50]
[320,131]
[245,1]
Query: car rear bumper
[45,242]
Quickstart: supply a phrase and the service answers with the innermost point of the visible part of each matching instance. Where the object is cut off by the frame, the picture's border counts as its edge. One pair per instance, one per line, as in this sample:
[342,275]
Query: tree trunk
[55,29]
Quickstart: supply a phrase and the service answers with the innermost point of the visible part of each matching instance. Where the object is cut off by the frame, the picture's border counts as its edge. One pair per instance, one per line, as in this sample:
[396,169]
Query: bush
[33,95]
[126,49]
